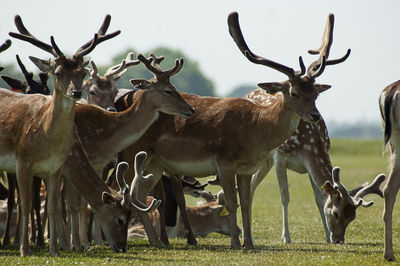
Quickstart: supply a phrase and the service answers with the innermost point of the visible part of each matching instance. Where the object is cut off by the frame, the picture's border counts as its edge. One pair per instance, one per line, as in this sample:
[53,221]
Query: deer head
[4,47]
[68,73]
[341,205]
[102,90]
[300,90]
[29,86]
[164,95]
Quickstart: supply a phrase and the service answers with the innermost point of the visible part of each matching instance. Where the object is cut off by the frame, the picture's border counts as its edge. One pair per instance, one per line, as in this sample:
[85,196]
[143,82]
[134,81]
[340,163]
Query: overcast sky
[278,30]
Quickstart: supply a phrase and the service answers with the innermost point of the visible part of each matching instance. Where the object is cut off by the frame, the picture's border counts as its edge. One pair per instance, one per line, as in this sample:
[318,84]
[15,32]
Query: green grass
[360,161]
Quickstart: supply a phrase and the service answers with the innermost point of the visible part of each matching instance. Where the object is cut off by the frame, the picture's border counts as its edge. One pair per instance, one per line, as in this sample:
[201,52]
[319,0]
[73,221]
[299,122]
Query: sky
[277,30]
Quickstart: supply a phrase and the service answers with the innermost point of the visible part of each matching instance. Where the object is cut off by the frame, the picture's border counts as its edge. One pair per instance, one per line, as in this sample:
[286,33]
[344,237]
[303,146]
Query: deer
[38,135]
[389,110]
[103,134]
[101,90]
[206,144]
[307,151]
[29,86]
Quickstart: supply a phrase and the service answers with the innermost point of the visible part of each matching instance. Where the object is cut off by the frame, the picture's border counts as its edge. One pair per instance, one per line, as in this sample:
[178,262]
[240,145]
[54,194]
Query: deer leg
[227,181]
[84,229]
[98,238]
[11,179]
[320,199]
[144,217]
[73,206]
[63,238]
[180,199]
[390,191]
[160,194]
[37,183]
[53,191]
[244,182]
[25,180]
[281,175]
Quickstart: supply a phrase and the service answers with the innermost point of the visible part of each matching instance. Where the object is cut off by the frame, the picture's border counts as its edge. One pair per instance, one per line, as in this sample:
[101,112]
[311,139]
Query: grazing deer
[104,134]
[389,107]
[101,91]
[232,137]
[37,135]
[29,86]
[306,151]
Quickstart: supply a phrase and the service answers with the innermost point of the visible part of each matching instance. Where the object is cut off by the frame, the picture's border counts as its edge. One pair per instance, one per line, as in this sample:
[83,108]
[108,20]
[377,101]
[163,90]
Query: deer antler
[122,167]
[25,35]
[5,45]
[155,68]
[208,196]
[99,37]
[28,75]
[122,67]
[318,66]
[373,188]
[355,201]
[137,180]
[236,33]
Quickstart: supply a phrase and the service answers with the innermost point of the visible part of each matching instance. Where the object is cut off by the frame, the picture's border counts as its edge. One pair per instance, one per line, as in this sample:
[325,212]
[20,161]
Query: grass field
[360,161]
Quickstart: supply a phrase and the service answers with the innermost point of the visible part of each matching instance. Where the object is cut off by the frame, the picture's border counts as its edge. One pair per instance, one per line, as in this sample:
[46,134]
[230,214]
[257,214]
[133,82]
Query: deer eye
[168,92]
[120,221]
[92,92]
[335,213]
[294,95]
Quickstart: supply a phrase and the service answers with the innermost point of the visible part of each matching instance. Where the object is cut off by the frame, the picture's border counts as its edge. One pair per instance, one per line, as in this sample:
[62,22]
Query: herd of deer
[65,140]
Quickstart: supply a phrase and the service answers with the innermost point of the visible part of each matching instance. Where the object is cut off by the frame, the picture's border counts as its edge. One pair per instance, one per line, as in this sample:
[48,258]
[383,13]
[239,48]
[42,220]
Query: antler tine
[208,196]
[122,167]
[236,33]
[137,180]
[148,64]
[157,60]
[25,35]
[23,68]
[55,46]
[101,37]
[5,45]
[339,186]
[94,71]
[117,69]
[318,66]
[372,188]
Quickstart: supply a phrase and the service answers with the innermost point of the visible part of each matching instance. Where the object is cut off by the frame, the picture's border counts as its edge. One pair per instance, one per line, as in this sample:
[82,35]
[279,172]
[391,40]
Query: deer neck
[104,133]
[60,117]
[277,122]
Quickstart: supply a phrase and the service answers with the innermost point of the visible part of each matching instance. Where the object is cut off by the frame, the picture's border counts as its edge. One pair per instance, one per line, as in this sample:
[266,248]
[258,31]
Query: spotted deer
[231,137]
[389,107]
[306,151]
[37,135]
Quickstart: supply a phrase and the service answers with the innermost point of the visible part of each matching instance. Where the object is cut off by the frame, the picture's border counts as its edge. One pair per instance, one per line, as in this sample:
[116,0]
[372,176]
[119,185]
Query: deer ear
[107,198]
[328,188]
[43,65]
[321,87]
[15,84]
[272,87]
[140,83]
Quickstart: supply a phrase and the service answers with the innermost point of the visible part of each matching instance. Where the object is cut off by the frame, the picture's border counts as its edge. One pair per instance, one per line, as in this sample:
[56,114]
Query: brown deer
[104,134]
[29,86]
[37,135]
[101,91]
[232,136]
[389,107]
[306,151]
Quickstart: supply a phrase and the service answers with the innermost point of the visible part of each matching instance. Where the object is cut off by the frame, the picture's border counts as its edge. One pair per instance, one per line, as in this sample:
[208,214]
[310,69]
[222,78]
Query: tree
[189,79]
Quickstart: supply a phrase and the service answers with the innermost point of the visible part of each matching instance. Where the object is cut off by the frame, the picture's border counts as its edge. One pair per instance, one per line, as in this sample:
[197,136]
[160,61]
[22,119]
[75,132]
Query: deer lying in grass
[231,137]
[204,219]
[38,134]
[306,151]
[389,107]
[29,86]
